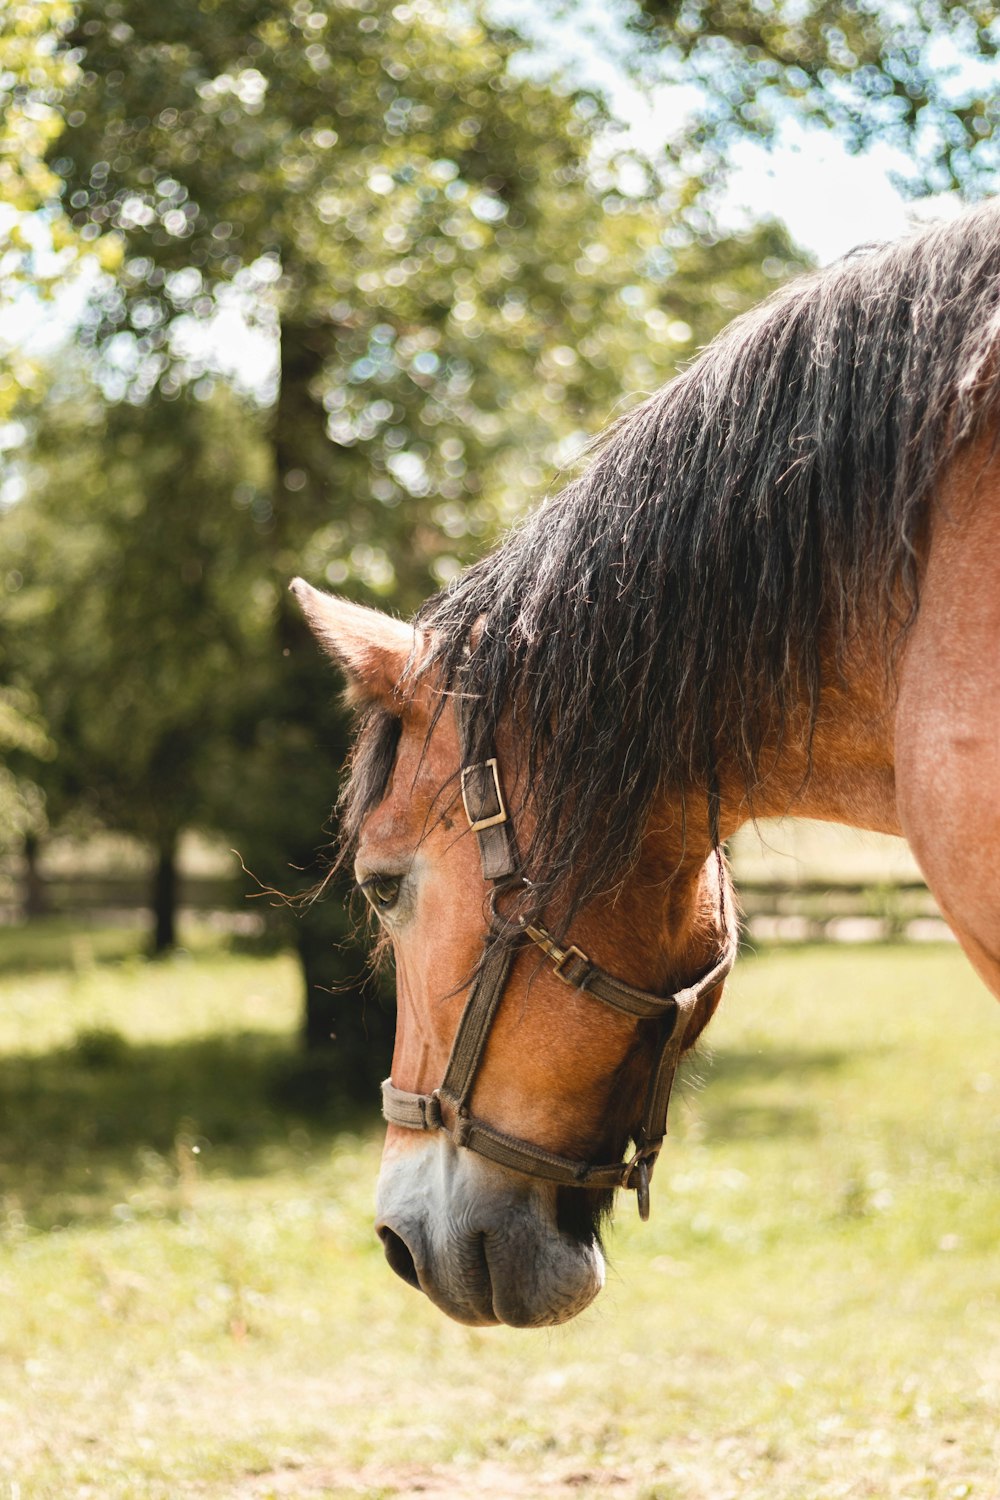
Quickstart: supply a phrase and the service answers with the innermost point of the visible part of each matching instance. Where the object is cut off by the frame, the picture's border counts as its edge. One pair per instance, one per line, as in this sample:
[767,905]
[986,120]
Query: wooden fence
[774,911]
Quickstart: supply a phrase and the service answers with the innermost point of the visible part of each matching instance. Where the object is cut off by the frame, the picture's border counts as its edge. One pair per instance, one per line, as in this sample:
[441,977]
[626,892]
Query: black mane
[665,613]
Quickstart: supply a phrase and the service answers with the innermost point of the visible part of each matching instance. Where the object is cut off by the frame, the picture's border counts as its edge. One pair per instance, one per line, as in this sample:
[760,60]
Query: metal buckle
[560,956]
[565,954]
[478,824]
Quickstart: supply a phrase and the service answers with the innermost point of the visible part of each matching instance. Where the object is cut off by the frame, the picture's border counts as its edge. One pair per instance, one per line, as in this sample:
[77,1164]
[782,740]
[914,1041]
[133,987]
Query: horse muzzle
[480,1241]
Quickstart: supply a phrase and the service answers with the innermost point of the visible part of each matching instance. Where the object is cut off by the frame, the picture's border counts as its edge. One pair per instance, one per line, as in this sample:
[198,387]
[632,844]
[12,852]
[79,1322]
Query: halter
[486,810]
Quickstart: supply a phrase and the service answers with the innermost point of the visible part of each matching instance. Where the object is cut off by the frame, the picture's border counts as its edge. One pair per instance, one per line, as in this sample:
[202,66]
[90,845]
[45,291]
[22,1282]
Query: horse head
[503,1148]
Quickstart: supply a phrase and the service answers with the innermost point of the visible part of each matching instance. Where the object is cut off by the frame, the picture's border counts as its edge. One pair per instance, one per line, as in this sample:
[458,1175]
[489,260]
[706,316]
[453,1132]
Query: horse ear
[371,648]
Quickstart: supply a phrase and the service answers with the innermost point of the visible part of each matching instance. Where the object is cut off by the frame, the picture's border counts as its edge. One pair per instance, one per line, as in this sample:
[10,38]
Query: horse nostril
[398,1255]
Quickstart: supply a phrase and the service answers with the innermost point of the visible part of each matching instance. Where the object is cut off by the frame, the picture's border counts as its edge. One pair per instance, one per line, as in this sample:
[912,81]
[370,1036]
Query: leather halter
[486,810]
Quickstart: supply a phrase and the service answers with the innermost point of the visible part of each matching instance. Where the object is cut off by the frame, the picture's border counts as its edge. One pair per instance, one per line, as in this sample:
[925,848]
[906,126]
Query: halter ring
[638,1167]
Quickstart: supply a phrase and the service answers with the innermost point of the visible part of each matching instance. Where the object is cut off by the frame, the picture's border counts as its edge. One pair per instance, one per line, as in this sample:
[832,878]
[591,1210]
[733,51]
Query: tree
[134,608]
[424,232]
[456,298]
[24,747]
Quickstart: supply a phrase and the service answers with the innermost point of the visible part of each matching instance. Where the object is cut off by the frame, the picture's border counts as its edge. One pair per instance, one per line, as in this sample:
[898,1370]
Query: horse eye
[382,891]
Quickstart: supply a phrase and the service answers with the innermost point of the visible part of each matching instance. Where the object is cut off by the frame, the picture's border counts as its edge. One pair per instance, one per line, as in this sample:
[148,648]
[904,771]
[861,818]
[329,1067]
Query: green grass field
[192,1302]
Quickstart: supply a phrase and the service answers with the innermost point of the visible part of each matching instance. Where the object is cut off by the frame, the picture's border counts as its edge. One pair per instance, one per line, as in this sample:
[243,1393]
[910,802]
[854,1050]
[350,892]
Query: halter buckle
[565,955]
[478,824]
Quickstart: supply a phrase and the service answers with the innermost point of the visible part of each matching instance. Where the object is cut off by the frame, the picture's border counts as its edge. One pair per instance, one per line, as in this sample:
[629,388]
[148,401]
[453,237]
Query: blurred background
[341,288]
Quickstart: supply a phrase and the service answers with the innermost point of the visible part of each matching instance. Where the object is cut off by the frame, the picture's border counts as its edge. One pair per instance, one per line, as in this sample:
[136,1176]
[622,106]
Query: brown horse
[773,591]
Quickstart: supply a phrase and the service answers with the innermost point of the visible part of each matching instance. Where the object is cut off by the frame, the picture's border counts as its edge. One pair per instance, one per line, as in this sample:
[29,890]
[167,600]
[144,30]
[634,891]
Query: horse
[772,590]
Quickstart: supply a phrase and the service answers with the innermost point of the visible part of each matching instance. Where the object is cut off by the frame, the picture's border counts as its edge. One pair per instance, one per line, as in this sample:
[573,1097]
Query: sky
[829,200]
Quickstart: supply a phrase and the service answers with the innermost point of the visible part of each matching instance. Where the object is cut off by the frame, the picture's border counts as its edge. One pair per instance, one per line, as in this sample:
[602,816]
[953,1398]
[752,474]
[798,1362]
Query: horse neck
[675,901]
[841,772]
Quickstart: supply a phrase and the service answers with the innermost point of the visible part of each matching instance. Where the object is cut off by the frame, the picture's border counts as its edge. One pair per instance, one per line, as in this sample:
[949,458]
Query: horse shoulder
[947,731]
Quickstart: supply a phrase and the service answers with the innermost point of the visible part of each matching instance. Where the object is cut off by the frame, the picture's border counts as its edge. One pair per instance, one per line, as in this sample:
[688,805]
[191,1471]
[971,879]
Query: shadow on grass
[727,1121]
[86,1125]
[730,1066]
[731,1107]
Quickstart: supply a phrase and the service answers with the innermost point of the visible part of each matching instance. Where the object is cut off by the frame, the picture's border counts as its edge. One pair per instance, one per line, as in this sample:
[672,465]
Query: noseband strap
[448,1107]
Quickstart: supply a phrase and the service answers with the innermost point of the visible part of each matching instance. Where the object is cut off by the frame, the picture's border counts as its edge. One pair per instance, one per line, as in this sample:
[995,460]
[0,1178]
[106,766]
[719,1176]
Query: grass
[192,1302]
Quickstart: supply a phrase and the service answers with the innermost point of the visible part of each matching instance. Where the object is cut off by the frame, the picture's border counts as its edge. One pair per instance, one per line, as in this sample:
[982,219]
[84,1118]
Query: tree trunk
[350,1014]
[36,899]
[334,1009]
[165,899]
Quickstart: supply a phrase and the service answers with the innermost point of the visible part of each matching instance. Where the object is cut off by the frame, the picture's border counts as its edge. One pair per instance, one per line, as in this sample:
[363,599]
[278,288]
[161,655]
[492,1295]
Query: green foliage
[459,298]
[33,71]
[922,78]
[135,607]
[38,249]
[24,746]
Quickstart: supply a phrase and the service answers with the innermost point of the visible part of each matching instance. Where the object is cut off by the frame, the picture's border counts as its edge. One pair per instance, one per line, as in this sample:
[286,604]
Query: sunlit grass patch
[58,980]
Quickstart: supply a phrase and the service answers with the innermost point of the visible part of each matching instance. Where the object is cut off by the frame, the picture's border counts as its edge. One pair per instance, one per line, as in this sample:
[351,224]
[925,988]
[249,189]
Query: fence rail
[773,911]
[124,900]
[840,911]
